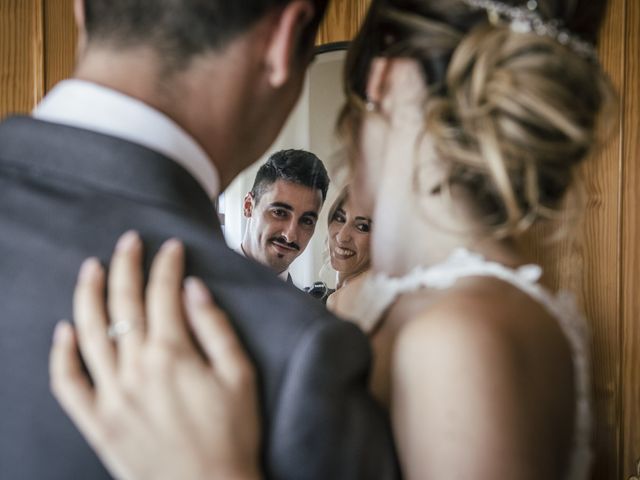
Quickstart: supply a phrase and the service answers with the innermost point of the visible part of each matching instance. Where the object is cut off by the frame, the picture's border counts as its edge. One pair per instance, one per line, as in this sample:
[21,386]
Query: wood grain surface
[601,240]
[342,21]
[60,41]
[587,258]
[21,55]
[630,272]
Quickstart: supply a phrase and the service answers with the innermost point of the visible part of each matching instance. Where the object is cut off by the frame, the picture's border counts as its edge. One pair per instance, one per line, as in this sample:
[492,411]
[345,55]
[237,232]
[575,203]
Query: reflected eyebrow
[286,206]
[366,219]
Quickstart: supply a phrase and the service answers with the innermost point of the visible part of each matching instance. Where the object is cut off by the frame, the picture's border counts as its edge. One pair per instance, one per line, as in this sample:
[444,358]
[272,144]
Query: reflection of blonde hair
[510,114]
[338,203]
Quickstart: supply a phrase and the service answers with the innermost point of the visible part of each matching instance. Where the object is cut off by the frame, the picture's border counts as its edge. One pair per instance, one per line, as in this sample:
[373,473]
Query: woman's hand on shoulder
[159,405]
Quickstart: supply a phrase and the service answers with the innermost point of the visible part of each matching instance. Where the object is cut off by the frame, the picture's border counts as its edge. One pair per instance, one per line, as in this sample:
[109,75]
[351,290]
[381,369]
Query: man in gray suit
[170,101]
[282,209]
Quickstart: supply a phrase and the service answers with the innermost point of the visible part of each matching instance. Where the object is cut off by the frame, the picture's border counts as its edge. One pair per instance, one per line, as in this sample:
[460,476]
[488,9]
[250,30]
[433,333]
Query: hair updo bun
[510,114]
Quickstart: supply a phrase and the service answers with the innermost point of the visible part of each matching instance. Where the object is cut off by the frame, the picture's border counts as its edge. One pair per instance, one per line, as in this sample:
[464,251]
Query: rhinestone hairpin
[526,19]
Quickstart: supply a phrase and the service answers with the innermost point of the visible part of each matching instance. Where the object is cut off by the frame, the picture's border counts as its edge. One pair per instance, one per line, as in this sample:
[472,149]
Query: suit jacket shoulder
[68,193]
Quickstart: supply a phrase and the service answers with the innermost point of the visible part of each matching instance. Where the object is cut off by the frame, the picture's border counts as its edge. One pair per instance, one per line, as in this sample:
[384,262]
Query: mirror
[310,127]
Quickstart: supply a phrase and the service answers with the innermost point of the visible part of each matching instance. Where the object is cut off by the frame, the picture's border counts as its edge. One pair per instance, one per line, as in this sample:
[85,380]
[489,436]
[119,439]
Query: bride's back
[491,351]
[475,357]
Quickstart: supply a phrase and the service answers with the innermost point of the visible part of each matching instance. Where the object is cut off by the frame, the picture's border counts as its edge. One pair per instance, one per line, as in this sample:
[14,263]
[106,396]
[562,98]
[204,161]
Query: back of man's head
[295,166]
[181,29]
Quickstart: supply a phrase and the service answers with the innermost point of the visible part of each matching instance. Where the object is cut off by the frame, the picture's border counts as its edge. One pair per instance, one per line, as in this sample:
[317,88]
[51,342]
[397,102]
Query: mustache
[283,241]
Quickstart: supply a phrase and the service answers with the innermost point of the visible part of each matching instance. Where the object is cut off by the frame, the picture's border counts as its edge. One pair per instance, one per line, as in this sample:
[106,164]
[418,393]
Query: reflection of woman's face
[349,239]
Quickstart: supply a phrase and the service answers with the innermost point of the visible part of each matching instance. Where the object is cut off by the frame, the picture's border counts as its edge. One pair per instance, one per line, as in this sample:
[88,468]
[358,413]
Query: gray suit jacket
[68,193]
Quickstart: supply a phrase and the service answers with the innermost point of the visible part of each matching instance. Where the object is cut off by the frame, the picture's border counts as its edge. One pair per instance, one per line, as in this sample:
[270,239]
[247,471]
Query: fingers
[69,383]
[164,296]
[126,294]
[214,333]
[91,322]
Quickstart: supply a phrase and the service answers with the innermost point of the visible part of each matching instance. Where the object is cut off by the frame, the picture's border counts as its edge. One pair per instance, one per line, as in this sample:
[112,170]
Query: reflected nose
[344,235]
[290,232]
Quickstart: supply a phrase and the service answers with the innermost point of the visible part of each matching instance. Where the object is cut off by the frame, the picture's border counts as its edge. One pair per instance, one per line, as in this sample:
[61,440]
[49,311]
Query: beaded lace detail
[380,291]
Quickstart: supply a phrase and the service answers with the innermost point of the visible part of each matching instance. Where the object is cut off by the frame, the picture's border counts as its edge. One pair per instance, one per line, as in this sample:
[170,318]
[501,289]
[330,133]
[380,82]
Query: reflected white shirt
[86,105]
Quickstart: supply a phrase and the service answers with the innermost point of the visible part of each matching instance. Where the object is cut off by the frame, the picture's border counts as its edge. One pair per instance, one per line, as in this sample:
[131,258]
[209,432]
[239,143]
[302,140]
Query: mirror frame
[330,47]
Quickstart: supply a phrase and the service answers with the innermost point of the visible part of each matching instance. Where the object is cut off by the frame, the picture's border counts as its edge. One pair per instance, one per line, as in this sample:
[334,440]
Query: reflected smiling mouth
[344,252]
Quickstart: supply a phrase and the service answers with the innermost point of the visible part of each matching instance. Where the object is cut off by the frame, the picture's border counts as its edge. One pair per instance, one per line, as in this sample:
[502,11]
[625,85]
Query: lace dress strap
[380,292]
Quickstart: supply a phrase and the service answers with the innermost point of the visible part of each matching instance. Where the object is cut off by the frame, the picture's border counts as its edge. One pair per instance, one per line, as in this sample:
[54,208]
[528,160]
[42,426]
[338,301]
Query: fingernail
[171,245]
[89,269]
[128,241]
[62,332]
[197,292]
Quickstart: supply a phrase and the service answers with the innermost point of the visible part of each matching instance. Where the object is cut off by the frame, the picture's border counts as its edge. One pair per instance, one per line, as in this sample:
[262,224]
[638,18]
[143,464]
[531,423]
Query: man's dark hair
[181,29]
[296,166]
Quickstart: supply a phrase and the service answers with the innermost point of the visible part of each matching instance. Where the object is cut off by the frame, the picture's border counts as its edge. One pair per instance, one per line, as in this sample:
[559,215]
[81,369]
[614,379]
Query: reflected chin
[278,258]
[343,266]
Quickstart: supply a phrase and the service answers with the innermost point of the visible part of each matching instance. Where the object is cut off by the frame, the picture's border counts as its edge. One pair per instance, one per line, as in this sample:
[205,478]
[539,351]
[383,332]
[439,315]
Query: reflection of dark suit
[68,193]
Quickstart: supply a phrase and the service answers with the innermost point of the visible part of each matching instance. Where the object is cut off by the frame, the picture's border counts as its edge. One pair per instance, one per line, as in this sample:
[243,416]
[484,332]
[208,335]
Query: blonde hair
[338,203]
[510,114]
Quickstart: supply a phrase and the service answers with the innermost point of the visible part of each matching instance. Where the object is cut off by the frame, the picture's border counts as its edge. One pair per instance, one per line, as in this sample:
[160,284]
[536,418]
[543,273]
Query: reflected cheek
[363,255]
[331,234]
[269,231]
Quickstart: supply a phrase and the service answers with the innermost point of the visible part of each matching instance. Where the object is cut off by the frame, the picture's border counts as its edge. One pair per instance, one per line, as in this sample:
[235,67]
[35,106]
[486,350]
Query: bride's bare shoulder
[484,365]
[454,318]
[486,318]
[475,306]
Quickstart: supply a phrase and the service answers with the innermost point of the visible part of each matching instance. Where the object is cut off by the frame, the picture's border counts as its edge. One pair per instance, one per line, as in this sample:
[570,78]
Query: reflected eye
[363,227]
[308,221]
[338,217]
[279,212]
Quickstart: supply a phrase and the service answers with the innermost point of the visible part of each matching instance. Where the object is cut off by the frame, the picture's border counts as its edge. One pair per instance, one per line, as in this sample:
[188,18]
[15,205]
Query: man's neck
[246,251]
[185,96]
[133,74]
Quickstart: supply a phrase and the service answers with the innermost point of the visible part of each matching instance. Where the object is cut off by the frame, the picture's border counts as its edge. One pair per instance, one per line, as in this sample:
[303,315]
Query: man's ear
[288,34]
[247,207]
[80,16]
[79,13]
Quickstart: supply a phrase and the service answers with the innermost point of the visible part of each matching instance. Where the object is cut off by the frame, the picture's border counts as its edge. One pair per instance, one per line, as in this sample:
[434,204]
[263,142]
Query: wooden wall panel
[587,261]
[599,246]
[21,55]
[601,239]
[630,174]
[60,41]
[342,21]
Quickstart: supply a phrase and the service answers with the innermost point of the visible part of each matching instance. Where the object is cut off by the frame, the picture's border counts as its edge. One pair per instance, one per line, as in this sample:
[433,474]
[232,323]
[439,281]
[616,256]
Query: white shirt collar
[282,275]
[90,106]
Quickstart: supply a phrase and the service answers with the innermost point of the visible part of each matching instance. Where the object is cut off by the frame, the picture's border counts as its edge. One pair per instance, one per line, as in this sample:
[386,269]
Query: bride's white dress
[379,292]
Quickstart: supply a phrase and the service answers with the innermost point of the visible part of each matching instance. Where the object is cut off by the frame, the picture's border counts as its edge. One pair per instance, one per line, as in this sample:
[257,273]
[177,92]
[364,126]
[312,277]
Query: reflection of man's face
[281,223]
